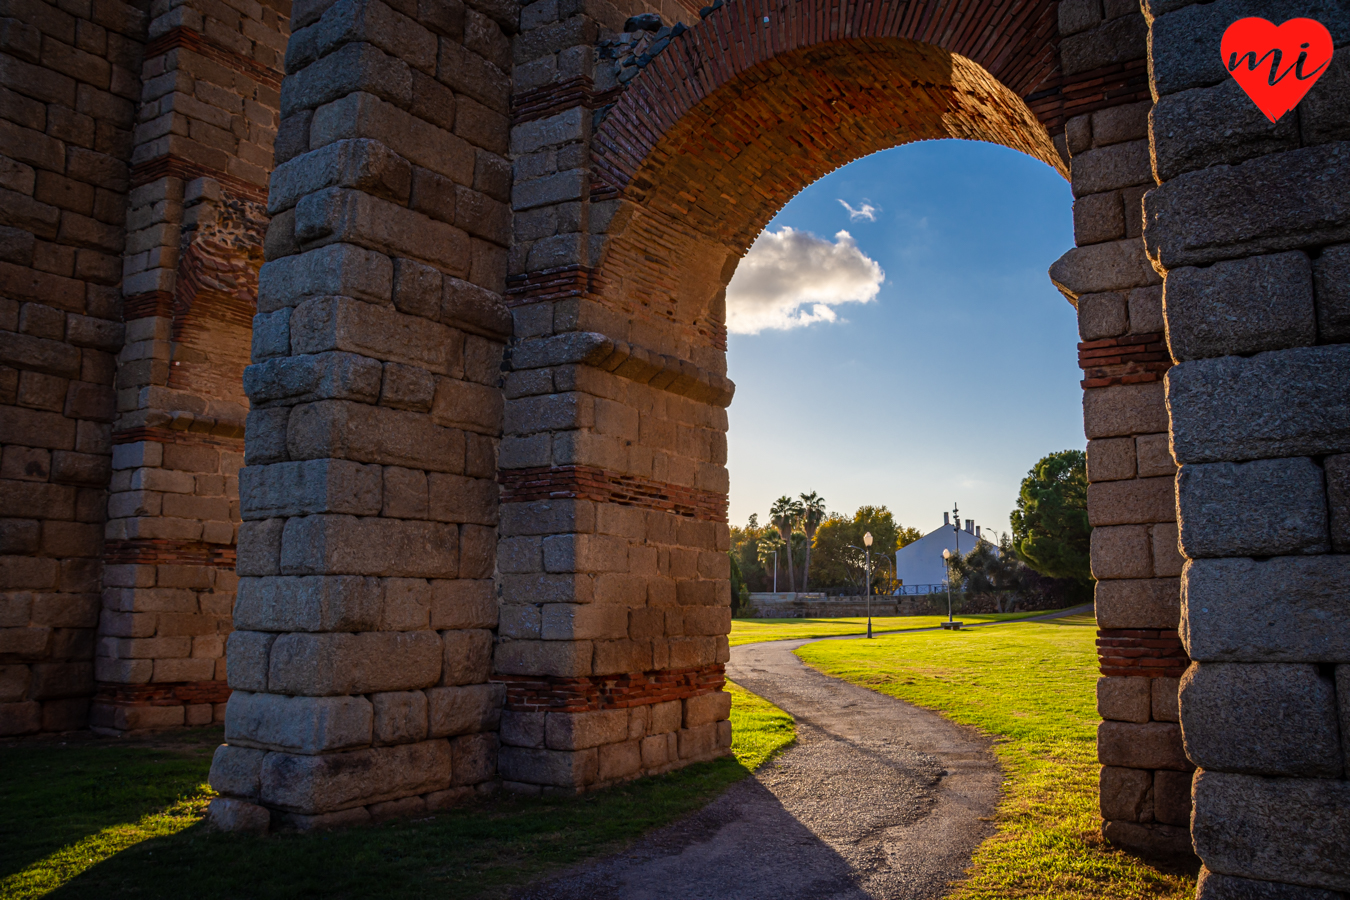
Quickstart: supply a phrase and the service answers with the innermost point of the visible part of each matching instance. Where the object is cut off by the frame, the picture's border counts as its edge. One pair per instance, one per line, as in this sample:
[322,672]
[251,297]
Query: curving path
[878,799]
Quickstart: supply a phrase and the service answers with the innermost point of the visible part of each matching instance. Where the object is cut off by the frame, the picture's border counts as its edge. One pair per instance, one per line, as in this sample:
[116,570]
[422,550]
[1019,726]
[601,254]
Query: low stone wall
[845,607]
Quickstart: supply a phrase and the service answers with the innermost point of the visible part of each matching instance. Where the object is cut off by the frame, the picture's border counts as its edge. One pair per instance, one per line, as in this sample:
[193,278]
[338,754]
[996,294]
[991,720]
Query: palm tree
[813,513]
[783,515]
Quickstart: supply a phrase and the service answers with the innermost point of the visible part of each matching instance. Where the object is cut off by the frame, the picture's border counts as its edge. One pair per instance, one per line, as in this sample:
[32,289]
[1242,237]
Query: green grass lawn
[101,819]
[1032,687]
[748,631]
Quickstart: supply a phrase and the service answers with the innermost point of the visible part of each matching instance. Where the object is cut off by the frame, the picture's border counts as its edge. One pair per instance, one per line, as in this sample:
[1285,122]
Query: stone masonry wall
[363,636]
[196,219]
[69,80]
[1251,227]
[1145,776]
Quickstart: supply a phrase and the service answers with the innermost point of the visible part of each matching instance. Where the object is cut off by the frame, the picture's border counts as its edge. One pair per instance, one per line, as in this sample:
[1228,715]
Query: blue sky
[946,386]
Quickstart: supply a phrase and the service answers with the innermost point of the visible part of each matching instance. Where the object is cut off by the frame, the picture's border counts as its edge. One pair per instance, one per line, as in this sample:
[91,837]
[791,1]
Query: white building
[920,567]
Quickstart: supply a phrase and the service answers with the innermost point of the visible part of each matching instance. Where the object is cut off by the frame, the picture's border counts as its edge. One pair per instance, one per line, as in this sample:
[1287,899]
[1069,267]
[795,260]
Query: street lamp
[867,542]
[947,558]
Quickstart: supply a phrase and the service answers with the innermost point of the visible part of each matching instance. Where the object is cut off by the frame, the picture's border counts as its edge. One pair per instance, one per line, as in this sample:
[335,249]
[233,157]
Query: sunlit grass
[106,819]
[749,631]
[1031,686]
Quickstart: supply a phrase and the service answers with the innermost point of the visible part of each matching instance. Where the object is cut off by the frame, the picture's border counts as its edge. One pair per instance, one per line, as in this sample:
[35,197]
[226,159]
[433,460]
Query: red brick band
[1132,359]
[551,99]
[151,303]
[1087,92]
[551,284]
[1141,652]
[173,693]
[186,39]
[591,483]
[176,167]
[550,693]
[160,552]
[225,434]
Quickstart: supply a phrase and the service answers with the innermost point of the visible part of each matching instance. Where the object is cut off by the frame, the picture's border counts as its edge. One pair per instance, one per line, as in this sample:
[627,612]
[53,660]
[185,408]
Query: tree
[813,513]
[841,568]
[770,548]
[1050,525]
[783,515]
[740,594]
[982,571]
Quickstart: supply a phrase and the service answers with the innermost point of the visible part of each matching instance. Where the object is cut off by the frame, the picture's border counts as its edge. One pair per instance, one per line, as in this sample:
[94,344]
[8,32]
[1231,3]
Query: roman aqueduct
[381,344]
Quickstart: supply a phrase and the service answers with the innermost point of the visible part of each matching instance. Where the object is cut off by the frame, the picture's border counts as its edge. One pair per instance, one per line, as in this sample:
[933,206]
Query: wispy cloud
[866,212]
[791,279]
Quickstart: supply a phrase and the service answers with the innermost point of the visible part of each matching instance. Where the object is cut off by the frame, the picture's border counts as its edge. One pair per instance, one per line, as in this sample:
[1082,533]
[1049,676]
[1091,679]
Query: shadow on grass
[53,795]
[481,850]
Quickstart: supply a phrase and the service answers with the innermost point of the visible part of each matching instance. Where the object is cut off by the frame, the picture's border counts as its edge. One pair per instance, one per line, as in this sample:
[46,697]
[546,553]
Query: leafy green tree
[840,567]
[982,571]
[1050,525]
[740,594]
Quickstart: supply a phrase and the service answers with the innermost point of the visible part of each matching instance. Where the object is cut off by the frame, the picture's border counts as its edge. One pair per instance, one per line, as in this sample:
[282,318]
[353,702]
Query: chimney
[970,526]
[946,519]
[977,531]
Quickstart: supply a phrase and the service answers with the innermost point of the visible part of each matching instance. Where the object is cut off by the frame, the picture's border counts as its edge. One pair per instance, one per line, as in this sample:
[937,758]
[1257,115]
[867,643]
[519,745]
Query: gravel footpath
[878,799]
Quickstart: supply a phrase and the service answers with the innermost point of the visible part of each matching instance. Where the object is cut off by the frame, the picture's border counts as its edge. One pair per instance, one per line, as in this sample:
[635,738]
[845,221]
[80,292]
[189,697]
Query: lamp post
[947,558]
[867,542]
[775,571]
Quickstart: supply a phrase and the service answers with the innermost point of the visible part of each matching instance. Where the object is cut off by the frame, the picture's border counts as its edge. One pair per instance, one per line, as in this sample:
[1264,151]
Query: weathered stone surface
[354,68]
[339,323]
[400,717]
[1121,552]
[1180,38]
[1123,699]
[335,269]
[1343,701]
[361,164]
[1109,266]
[467,709]
[1240,307]
[1149,839]
[565,658]
[305,725]
[560,768]
[341,215]
[1124,410]
[369,545]
[577,731]
[227,814]
[1102,316]
[1212,886]
[1261,719]
[236,771]
[1138,603]
[1217,125]
[1131,502]
[1291,830]
[1110,459]
[1286,609]
[705,708]
[1126,794]
[1331,282]
[1268,507]
[335,781]
[1279,404]
[1165,699]
[1283,201]
[475,758]
[357,431]
[246,659]
[1172,797]
[1152,745]
[468,656]
[311,603]
[311,486]
[1110,168]
[336,664]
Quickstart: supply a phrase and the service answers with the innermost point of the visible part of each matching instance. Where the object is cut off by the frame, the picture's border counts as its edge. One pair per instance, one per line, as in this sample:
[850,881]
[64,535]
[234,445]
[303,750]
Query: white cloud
[790,279]
[867,211]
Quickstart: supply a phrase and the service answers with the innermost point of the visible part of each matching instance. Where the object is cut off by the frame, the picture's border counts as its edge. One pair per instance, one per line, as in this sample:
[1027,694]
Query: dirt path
[878,799]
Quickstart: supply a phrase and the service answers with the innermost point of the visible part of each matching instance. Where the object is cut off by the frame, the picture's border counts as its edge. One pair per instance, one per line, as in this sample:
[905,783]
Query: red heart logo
[1276,65]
